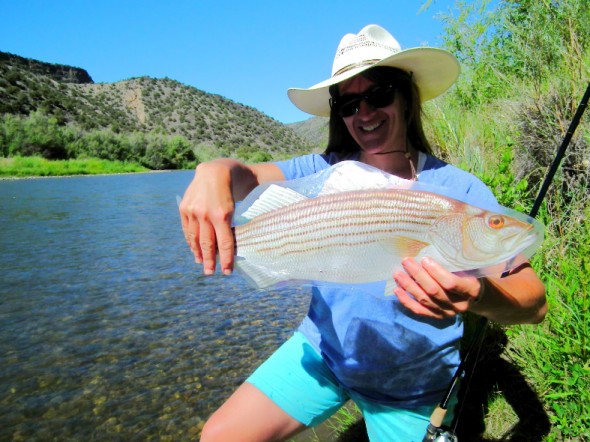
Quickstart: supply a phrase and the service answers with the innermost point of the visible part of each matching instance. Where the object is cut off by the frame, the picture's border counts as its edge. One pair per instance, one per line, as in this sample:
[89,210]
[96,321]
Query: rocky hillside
[144,105]
[314,130]
[58,72]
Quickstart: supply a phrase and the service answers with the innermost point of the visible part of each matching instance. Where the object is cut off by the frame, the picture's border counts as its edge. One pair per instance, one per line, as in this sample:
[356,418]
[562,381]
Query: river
[108,329]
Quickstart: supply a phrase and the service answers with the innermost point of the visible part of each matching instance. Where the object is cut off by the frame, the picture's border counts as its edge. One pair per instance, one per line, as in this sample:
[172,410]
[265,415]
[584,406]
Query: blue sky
[247,51]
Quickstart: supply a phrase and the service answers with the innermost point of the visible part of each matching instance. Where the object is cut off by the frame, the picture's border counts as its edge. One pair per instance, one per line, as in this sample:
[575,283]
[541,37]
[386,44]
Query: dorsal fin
[274,197]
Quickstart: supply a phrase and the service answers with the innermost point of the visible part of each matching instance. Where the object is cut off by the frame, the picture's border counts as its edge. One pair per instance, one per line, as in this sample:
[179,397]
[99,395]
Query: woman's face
[376,130]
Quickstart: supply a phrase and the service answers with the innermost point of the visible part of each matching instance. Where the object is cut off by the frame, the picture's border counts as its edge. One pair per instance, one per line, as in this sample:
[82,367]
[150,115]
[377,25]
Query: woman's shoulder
[463,184]
[301,166]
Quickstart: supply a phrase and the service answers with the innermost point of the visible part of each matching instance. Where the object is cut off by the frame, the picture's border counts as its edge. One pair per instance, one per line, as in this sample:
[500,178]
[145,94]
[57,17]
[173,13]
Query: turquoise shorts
[296,378]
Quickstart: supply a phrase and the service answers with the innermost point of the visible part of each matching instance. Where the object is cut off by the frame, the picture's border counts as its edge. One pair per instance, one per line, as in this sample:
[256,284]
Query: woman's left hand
[428,289]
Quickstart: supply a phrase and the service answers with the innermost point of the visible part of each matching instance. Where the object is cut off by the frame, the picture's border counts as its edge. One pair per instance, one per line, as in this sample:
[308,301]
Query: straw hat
[433,70]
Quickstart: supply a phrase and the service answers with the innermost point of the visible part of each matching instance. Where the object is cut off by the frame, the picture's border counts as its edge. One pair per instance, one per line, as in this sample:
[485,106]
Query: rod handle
[438,416]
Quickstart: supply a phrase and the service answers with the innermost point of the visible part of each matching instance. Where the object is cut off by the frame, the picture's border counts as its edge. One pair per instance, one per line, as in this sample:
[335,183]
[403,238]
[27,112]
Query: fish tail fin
[257,275]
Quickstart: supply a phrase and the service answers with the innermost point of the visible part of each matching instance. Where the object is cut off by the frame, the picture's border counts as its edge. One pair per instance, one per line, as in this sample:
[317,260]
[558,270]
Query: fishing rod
[436,432]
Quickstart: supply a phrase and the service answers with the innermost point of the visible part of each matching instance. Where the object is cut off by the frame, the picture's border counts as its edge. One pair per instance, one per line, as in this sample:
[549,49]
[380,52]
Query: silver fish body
[361,236]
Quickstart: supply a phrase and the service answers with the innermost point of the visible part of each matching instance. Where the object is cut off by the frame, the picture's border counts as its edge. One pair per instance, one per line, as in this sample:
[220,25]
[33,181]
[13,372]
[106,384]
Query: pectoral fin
[404,247]
[407,247]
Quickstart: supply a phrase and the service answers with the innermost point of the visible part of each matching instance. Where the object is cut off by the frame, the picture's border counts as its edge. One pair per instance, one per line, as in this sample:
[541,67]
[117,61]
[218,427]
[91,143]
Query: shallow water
[108,330]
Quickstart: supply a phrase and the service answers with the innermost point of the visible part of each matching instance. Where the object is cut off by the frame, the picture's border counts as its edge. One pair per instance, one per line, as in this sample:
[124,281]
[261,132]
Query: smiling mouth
[372,127]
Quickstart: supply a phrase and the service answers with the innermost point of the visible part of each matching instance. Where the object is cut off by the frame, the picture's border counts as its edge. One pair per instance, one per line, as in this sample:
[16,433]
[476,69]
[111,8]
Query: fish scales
[333,221]
[325,213]
[338,237]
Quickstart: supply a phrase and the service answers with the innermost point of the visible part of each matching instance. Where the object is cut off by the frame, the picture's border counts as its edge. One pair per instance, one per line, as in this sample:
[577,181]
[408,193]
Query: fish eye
[496,221]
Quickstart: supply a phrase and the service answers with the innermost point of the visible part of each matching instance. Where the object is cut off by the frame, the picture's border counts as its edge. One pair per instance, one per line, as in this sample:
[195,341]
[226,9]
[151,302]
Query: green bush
[504,121]
[42,136]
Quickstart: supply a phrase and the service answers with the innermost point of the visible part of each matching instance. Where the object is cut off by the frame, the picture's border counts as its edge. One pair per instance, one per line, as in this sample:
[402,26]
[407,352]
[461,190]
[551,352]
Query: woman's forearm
[518,298]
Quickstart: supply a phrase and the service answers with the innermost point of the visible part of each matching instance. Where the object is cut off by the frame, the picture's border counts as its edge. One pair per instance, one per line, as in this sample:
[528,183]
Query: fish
[353,224]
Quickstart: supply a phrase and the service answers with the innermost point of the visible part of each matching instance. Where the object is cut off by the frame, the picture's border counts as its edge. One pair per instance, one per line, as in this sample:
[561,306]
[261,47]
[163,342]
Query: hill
[161,109]
[59,72]
[314,130]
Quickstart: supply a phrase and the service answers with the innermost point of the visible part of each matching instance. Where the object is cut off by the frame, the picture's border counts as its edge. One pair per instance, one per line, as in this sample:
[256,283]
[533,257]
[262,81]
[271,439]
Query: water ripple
[108,330]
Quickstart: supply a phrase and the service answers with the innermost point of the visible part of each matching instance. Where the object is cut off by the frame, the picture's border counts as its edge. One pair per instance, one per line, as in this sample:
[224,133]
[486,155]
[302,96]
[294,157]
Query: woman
[393,358]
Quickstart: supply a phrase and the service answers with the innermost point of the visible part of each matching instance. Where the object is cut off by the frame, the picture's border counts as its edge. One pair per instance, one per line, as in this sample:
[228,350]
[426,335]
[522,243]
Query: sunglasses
[349,104]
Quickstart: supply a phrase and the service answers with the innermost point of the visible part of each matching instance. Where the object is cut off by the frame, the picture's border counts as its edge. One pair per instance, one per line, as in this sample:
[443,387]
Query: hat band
[355,65]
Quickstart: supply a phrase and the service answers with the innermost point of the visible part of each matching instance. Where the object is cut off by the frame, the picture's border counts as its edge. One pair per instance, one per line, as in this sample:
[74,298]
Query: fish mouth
[520,240]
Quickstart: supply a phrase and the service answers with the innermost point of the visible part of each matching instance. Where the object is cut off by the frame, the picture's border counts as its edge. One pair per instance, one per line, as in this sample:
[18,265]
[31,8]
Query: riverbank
[30,167]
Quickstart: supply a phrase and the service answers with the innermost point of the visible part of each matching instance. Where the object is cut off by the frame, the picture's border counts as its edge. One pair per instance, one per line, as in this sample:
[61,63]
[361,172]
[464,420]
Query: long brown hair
[340,140]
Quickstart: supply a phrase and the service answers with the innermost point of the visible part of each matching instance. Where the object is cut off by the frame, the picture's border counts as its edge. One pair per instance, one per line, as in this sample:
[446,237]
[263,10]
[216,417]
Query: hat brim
[433,70]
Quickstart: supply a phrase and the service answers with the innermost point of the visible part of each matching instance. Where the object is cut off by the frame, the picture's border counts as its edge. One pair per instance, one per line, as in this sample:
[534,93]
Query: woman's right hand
[207,208]
[206,212]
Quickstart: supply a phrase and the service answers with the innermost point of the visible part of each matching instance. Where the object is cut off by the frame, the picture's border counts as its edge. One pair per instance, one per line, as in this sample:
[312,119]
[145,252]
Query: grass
[40,167]
[538,386]
[541,379]
[544,390]
[556,355]
[346,425]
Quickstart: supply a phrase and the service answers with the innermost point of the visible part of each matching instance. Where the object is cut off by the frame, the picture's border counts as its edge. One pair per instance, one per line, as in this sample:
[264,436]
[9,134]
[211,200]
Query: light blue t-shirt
[375,346]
